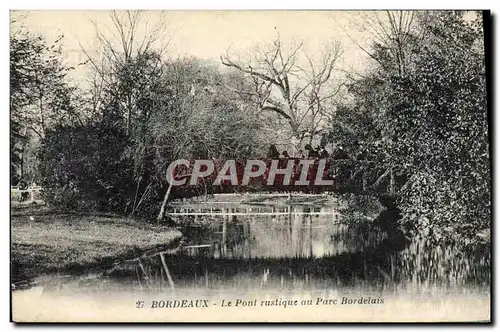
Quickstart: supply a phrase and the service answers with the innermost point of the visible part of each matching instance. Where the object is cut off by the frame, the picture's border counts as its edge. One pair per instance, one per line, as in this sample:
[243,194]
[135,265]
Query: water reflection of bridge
[275,204]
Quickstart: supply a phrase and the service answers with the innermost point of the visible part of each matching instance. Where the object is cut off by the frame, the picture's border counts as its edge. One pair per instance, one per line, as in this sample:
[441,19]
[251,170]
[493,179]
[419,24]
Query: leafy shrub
[82,168]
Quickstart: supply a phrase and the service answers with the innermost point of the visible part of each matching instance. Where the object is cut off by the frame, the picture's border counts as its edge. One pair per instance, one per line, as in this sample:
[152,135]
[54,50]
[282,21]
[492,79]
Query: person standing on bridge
[285,155]
[273,152]
[323,153]
[311,153]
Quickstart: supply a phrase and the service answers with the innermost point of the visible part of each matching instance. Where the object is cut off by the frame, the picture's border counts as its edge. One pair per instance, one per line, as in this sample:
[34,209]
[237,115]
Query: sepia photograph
[176,166]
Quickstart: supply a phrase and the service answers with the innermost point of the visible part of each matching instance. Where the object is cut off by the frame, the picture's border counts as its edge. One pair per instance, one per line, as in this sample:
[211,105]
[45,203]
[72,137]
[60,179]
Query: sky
[210,34]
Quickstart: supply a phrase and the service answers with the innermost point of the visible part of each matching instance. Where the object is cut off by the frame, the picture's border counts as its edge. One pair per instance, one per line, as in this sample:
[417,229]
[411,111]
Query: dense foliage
[428,121]
[83,168]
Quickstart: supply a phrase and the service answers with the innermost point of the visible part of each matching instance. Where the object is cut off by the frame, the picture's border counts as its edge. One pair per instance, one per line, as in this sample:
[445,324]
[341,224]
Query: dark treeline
[418,111]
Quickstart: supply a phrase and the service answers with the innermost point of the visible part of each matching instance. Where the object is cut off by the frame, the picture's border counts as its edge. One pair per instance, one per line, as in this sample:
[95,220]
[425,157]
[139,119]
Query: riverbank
[45,241]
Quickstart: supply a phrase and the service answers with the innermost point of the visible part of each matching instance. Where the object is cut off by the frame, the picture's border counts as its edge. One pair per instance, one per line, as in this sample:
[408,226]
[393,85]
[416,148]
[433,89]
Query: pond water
[303,246]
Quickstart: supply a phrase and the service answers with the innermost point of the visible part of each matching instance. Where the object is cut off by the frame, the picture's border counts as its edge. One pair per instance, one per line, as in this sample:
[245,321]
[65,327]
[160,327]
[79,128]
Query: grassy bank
[44,241]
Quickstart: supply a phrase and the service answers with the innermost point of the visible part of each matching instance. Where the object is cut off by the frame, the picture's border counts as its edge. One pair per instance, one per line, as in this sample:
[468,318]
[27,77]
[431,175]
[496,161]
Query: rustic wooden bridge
[348,176]
[277,204]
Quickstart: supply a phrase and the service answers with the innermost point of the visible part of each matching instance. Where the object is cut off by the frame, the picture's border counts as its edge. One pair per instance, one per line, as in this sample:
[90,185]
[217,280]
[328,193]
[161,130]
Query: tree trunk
[380,179]
[146,191]
[136,193]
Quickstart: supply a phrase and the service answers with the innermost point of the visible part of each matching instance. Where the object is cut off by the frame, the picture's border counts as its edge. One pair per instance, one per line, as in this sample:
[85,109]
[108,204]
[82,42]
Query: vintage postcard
[250,166]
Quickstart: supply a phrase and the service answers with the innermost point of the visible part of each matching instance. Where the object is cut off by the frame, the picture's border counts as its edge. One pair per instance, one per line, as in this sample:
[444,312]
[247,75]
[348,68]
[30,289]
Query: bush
[83,168]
